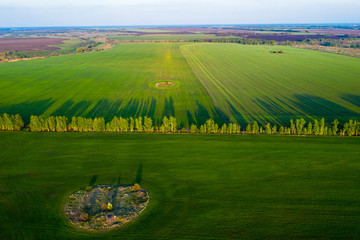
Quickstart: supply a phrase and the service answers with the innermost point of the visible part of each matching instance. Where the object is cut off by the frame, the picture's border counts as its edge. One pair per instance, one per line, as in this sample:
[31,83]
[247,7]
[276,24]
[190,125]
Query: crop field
[226,82]
[165,37]
[108,83]
[29,44]
[200,186]
[249,82]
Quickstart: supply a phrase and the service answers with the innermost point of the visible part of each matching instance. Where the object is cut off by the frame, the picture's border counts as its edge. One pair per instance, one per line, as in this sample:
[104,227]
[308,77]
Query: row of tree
[341,42]
[297,127]
[117,124]
[169,125]
[11,122]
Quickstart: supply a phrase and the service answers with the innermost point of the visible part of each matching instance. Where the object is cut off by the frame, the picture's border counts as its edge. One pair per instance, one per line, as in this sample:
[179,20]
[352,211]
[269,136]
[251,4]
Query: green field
[248,82]
[226,82]
[108,83]
[201,186]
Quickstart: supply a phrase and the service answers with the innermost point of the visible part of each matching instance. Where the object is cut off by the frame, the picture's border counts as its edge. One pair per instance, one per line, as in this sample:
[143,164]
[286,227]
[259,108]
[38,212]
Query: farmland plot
[250,83]
[109,83]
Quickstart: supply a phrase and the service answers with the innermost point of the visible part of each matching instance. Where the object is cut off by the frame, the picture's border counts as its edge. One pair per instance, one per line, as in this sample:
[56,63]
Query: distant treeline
[240,40]
[169,125]
[341,43]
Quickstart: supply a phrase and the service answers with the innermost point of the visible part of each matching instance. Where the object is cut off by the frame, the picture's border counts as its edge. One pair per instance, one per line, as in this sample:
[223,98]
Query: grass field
[226,82]
[248,82]
[108,83]
[201,186]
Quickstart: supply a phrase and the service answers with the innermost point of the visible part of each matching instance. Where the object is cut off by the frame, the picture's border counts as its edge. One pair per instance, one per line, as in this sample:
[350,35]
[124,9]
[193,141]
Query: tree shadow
[169,109]
[69,109]
[105,108]
[321,107]
[130,108]
[93,180]
[352,98]
[190,118]
[220,116]
[152,108]
[202,114]
[139,173]
[26,109]
[236,114]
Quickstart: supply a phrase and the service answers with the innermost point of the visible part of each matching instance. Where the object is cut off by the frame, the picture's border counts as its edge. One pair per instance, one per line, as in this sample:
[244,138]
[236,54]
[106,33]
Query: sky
[32,13]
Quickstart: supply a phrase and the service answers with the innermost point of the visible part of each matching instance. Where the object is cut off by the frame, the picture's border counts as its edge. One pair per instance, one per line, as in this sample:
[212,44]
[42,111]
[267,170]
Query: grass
[226,82]
[107,83]
[247,82]
[201,186]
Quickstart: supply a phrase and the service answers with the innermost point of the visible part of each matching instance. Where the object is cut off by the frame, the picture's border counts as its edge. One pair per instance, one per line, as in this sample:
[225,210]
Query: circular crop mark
[164,84]
[105,207]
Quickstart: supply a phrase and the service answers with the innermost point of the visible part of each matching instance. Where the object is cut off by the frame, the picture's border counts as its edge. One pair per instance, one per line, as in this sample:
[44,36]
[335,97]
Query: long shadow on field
[139,174]
[152,108]
[352,98]
[201,114]
[26,109]
[147,108]
[130,108]
[70,109]
[237,115]
[169,109]
[318,106]
[93,180]
[105,108]
[190,118]
[275,110]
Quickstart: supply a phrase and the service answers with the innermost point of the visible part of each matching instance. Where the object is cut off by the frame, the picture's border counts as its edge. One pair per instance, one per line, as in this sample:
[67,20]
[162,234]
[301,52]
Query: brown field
[29,44]
[154,33]
[164,84]
[335,31]
[288,37]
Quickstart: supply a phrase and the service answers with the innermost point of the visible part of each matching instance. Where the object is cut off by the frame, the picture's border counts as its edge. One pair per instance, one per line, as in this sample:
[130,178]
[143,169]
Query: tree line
[11,122]
[169,125]
[328,42]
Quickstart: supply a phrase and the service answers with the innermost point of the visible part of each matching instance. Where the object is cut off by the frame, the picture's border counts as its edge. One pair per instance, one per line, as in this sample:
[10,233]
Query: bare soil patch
[29,44]
[164,84]
[105,207]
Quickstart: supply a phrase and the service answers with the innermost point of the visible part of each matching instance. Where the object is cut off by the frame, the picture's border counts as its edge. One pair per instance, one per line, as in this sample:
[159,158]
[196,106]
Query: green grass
[107,83]
[248,82]
[201,186]
[226,82]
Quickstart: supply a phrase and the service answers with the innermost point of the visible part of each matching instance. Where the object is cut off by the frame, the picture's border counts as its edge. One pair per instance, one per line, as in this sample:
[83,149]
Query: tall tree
[255,127]
[335,125]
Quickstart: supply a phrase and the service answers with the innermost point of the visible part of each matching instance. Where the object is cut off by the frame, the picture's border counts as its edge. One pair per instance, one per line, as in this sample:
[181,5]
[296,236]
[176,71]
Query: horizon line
[184,25]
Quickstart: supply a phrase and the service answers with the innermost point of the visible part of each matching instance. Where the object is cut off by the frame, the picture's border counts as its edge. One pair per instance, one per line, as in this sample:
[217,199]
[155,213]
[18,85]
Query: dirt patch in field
[29,44]
[105,207]
[164,84]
